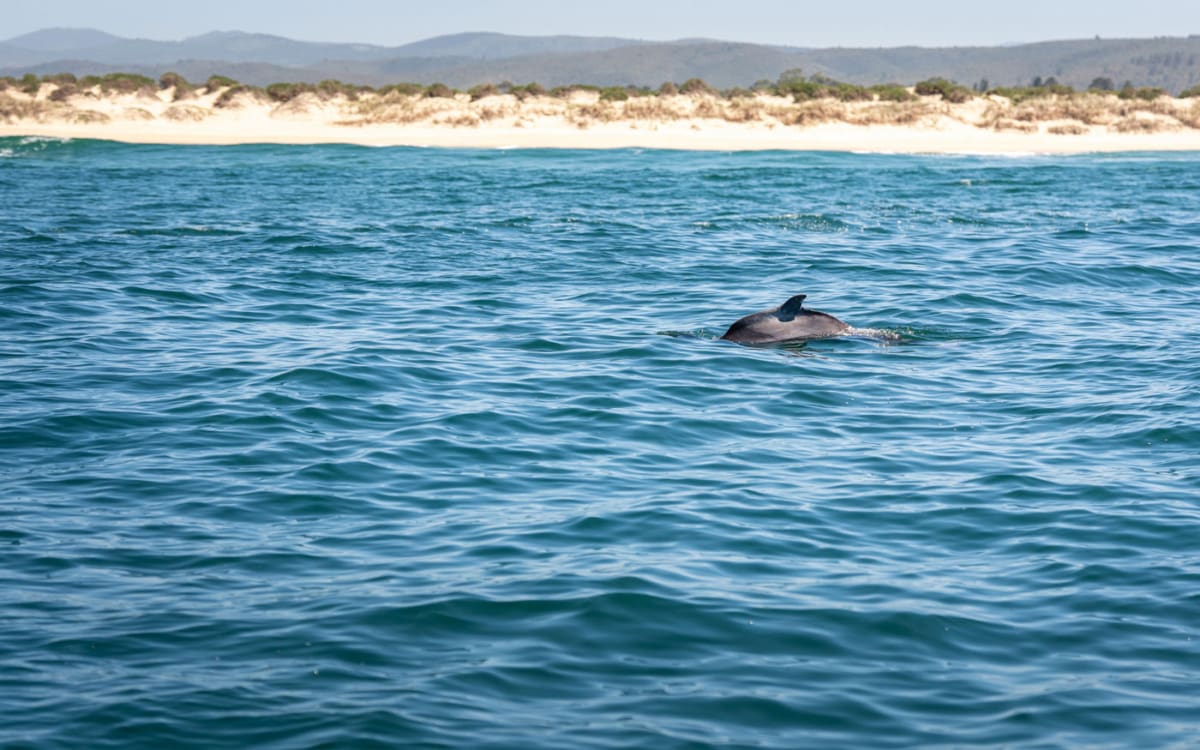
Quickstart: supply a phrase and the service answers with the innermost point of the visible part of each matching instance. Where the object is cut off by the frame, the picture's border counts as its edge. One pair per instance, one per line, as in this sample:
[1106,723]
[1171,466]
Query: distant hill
[50,46]
[57,41]
[55,45]
[463,60]
[490,46]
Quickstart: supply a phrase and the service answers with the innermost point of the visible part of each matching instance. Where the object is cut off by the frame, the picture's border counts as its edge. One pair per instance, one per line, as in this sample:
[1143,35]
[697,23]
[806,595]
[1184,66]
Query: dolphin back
[788,322]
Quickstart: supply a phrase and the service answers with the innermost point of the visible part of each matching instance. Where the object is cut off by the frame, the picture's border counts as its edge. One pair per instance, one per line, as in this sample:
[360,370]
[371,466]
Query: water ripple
[337,446]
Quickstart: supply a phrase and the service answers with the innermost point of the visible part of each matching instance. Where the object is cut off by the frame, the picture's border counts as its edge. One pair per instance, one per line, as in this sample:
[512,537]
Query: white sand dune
[703,122]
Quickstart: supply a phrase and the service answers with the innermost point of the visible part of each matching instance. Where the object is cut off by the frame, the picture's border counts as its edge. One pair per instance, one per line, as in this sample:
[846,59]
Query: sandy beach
[992,124]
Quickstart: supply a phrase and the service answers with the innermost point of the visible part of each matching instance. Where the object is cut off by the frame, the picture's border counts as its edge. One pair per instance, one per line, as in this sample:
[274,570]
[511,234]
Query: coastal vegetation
[793,99]
[792,83]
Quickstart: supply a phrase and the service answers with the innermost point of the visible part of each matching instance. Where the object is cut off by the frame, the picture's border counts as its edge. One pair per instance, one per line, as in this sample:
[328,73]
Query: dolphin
[788,322]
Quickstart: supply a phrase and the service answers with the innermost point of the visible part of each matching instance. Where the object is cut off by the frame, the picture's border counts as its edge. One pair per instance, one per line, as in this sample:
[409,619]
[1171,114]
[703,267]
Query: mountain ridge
[470,58]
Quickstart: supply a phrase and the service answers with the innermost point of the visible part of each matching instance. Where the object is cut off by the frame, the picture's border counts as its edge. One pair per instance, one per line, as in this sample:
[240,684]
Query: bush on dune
[401,89]
[737,93]
[325,91]
[1145,93]
[1054,107]
[182,88]
[332,89]
[234,95]
[439,91]
[892,92]
[60,79]
[121,83]
[566,92]
[802,89]
[1019,94]
[483,91]
[613,94]
[948,90]
[285,92]
[528,91]
[216,83]
[64,92]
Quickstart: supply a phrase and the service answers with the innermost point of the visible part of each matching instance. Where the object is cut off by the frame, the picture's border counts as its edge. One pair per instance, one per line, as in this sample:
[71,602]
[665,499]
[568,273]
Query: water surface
[334,446]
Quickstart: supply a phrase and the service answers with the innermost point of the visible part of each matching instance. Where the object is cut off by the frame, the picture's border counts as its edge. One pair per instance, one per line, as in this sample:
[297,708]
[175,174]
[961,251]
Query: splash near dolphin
[788,322]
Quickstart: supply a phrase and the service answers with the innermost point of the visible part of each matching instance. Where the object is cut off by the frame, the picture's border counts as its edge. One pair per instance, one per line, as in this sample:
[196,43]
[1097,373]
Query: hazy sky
[828,23]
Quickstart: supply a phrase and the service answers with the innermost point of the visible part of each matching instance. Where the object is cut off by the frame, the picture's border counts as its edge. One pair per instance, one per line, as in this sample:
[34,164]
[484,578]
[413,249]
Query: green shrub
[613,94]
[801,90]
[439,91]
[483,91]
[215,83]
[848,92]
[1190,93]
[562,92]
[403,89]
[121,83]
[332,89]
[31,84]
[175,81]
[822,87]
[64,92]
[949,91]
[892,92]
[227,98]
[1146,93]
[527,91]
[1018,94]
[958,95]
[695,86]
[668,89]
[285,92]
[1015,94]
[66,86]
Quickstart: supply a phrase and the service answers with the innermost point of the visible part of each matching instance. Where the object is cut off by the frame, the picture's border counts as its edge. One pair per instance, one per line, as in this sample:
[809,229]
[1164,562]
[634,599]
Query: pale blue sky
[829,23]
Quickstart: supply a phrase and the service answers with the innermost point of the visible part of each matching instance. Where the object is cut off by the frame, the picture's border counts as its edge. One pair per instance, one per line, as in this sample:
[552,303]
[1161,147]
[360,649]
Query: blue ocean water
[339,447]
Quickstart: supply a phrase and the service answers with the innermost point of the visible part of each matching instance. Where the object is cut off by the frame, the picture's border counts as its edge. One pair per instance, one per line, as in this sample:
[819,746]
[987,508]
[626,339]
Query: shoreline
[984,125]
[876,139]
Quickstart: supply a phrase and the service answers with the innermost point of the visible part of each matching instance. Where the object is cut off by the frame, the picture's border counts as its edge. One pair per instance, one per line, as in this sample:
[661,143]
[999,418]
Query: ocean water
[338,447]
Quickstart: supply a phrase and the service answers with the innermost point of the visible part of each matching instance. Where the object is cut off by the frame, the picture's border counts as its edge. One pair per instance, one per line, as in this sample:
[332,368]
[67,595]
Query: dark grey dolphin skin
[788,322]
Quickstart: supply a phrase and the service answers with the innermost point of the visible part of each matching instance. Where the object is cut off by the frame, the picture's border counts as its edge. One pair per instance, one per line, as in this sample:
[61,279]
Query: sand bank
[582,120]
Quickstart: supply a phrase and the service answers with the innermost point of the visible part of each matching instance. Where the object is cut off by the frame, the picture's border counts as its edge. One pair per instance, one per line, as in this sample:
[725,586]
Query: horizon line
[632,39]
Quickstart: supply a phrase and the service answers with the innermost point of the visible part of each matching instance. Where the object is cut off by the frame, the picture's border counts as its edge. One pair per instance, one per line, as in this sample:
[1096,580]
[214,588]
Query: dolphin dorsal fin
[792,307]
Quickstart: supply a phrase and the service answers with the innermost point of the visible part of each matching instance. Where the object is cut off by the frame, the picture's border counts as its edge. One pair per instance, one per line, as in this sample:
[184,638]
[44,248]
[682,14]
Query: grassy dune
[126,107]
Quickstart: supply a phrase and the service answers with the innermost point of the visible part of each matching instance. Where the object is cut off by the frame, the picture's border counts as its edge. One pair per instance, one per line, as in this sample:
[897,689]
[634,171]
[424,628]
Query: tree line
[791,83]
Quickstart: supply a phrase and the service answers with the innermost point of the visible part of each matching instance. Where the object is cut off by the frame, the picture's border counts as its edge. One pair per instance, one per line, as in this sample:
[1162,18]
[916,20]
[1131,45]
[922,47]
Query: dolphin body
[788,322]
